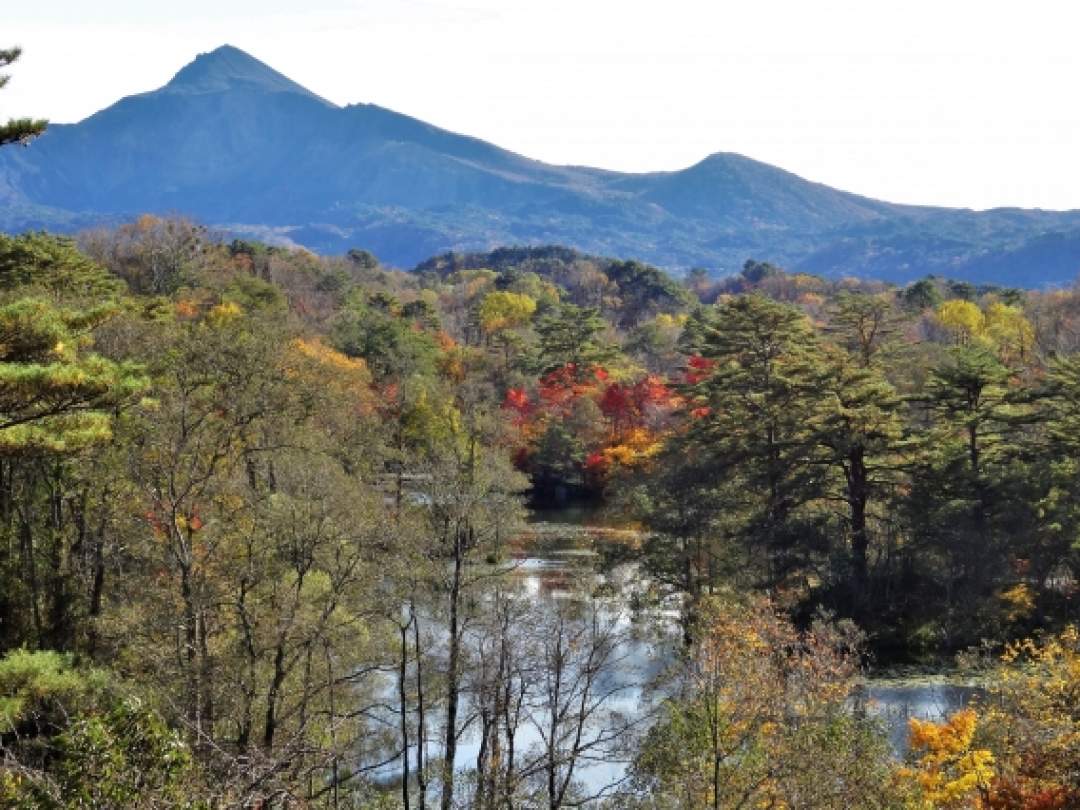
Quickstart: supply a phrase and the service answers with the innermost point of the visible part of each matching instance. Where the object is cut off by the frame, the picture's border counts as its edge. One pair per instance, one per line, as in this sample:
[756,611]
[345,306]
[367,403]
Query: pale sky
[970,103]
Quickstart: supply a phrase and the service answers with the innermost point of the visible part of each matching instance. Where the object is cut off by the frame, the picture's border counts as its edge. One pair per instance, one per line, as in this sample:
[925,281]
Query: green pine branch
[17,130]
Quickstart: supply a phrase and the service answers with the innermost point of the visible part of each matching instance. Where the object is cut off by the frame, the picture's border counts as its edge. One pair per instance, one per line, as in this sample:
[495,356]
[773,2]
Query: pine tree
[17,130]
[1058,459]
[58,407]
[861,432]
[960,508]
[756,418]
[55,394]
[968,395]
[570,336]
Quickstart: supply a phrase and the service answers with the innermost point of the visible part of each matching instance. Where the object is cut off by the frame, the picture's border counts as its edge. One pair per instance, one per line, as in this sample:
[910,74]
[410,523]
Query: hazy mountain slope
[233,143]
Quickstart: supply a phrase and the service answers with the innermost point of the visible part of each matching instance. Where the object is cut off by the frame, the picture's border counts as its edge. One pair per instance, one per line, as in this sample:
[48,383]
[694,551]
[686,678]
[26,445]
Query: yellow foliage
[1010,330]
[1001,325]
[316,350]
[805,281]
[963,319]
[326,372]
[637,446]
[1020,602]
[224,313]
[948,773]
[505,310]
[666,321]
[1033,710]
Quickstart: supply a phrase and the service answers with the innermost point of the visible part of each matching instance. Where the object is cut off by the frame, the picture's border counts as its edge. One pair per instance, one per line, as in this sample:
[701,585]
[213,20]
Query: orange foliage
[187,309]
[1020,794]
[517,401]
[326,371]
[331,358]
[636,413]
[948,772]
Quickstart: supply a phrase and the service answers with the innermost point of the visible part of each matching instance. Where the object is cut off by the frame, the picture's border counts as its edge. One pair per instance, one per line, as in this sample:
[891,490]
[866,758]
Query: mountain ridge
[234,143]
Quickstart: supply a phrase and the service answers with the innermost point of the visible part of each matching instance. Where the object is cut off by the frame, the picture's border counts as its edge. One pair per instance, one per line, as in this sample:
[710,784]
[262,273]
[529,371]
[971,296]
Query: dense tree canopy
[261,513]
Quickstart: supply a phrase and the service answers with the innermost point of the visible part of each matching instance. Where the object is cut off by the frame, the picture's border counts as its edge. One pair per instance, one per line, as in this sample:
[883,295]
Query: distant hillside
[637,290]
[235,144]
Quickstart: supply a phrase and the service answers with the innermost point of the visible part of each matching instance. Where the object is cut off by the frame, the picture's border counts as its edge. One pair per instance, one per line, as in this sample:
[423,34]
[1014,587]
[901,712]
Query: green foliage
[559,455]
[17,130]
[629,290]
[921,295]
[644,291]
[756,272]
[968,394]
[861,433]
[377,332]
[364,259]
[862,324]
[258,481]
[38,690]
[252,294]
[55,396]
[73,740]
[570,336]
[53,265]
[758,424]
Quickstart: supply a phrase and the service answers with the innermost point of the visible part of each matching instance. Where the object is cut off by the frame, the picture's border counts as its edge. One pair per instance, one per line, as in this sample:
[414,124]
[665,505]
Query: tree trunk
[421,722]
[403,664]
[97,585]
[858,498]
[270,723]
[453,686]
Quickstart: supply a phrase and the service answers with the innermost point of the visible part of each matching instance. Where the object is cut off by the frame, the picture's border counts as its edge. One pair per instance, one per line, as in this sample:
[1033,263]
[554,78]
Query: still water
[565,545]
[560,553]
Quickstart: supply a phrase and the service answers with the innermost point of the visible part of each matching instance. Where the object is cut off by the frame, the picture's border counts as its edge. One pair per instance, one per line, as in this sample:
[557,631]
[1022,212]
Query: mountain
[235,144]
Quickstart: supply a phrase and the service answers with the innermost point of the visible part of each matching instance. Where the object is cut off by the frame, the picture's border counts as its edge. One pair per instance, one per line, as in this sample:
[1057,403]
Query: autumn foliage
[628,419]
[1018,749]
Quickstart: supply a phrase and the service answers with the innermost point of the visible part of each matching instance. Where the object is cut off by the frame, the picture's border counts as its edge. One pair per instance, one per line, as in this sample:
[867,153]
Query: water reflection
[894,703]
[557,552]
[557,561]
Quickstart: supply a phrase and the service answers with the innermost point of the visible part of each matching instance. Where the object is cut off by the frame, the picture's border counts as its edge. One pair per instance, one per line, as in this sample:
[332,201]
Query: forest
[261,514]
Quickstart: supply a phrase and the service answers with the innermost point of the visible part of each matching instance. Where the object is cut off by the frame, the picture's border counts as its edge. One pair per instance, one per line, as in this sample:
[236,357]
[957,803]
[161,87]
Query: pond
[895,702]
[560,552]
[561,545]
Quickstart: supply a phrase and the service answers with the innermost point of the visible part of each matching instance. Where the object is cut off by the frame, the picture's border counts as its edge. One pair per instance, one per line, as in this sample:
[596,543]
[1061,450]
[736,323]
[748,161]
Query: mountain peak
[731,161]
[227,67]
[235,144]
